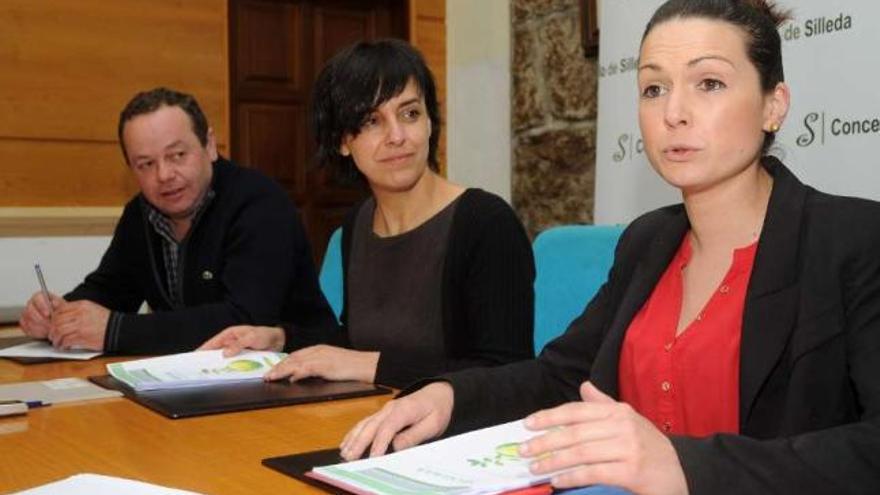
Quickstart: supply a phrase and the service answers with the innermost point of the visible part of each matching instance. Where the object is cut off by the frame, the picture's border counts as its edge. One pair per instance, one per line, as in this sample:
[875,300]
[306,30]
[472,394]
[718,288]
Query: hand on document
[602,441]
[597,441]
[402,423]
[79,325]
[36,319]
[323,361]
[68,325]
[327,362]
[480,462]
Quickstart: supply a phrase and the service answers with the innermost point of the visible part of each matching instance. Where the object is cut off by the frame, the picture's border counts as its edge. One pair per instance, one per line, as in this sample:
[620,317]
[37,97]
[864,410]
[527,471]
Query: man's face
[171,166]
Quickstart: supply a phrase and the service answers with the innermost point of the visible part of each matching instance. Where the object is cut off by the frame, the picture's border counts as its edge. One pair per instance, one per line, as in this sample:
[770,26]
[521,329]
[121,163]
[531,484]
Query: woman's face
[702,111]
[391,149]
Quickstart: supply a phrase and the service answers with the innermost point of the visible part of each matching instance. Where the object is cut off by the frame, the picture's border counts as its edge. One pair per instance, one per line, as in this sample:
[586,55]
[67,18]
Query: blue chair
[330,277]
[572,262]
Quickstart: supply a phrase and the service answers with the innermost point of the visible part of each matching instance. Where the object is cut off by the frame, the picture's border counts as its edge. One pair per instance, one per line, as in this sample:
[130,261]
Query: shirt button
[724,289]
[665,386]
[207,275]
[667,426]
[667,347]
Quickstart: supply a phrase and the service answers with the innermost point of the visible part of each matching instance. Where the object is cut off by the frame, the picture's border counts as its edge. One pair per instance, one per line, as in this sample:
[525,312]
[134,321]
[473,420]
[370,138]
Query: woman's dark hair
[149,101]
[759,19]
[355,82]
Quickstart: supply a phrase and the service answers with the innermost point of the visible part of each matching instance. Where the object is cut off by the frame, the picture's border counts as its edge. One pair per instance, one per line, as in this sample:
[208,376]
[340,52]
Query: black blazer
[810,351]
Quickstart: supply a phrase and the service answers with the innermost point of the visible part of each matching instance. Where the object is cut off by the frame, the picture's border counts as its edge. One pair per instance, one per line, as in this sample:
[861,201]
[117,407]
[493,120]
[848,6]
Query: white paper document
[96,484]
[43,349]
[194,369]
[480,462]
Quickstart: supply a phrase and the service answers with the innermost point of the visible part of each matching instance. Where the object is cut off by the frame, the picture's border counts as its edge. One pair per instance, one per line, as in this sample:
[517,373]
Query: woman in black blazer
[712,97]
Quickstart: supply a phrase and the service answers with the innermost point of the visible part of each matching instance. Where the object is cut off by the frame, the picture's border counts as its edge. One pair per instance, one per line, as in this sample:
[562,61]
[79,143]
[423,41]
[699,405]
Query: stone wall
[553,115]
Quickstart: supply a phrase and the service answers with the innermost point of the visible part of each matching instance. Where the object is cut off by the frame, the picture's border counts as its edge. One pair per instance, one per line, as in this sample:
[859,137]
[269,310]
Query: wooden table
[214,455]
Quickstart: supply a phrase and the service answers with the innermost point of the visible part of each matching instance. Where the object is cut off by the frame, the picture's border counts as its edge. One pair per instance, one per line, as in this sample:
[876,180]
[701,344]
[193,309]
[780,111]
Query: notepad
[43,349]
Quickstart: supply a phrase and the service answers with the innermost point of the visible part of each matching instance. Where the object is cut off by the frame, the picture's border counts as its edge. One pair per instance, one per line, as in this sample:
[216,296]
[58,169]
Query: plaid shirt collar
[162,224]
[170,246]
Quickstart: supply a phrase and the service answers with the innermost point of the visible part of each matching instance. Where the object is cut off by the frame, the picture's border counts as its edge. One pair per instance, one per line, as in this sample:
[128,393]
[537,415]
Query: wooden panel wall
[427,31]
[68,68]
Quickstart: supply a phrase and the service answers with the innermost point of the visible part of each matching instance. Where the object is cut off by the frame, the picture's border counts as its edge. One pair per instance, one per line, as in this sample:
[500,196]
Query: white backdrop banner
[830,139]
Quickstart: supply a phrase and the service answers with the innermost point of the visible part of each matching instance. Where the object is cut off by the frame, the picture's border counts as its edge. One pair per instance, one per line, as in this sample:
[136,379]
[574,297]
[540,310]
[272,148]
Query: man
[206,244]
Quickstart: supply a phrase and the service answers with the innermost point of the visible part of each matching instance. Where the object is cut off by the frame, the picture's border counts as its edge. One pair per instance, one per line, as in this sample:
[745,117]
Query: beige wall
[478,102]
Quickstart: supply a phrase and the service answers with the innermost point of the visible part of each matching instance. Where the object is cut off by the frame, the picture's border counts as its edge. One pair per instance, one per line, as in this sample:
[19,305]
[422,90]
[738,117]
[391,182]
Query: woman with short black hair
[437,277]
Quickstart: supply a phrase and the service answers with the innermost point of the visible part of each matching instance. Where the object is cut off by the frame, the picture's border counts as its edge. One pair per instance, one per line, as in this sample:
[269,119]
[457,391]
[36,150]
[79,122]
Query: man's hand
[238,338]
[79,325]
[402,423]
[329,362]
[602,441]
[36,319]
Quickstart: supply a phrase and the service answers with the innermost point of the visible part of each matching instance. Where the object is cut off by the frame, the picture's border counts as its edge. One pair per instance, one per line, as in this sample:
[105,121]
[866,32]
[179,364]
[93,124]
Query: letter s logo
[808,137]
[620,154]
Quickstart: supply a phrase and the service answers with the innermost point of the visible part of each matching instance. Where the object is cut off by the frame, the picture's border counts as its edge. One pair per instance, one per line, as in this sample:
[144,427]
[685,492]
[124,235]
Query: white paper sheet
[43,349]
[194,369]
[96,484]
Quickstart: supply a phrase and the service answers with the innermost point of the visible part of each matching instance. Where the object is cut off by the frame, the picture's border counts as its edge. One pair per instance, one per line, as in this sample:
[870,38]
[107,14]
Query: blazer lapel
[647,272]
[772,295]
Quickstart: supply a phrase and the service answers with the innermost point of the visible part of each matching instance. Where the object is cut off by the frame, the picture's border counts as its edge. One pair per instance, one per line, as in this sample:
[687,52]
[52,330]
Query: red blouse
[688,385]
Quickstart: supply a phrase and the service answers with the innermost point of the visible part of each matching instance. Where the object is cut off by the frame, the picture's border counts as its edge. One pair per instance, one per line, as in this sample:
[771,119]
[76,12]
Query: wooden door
[276,49]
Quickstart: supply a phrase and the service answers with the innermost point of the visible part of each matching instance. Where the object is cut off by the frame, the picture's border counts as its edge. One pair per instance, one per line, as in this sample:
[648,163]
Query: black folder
[242,396]
[297,465]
